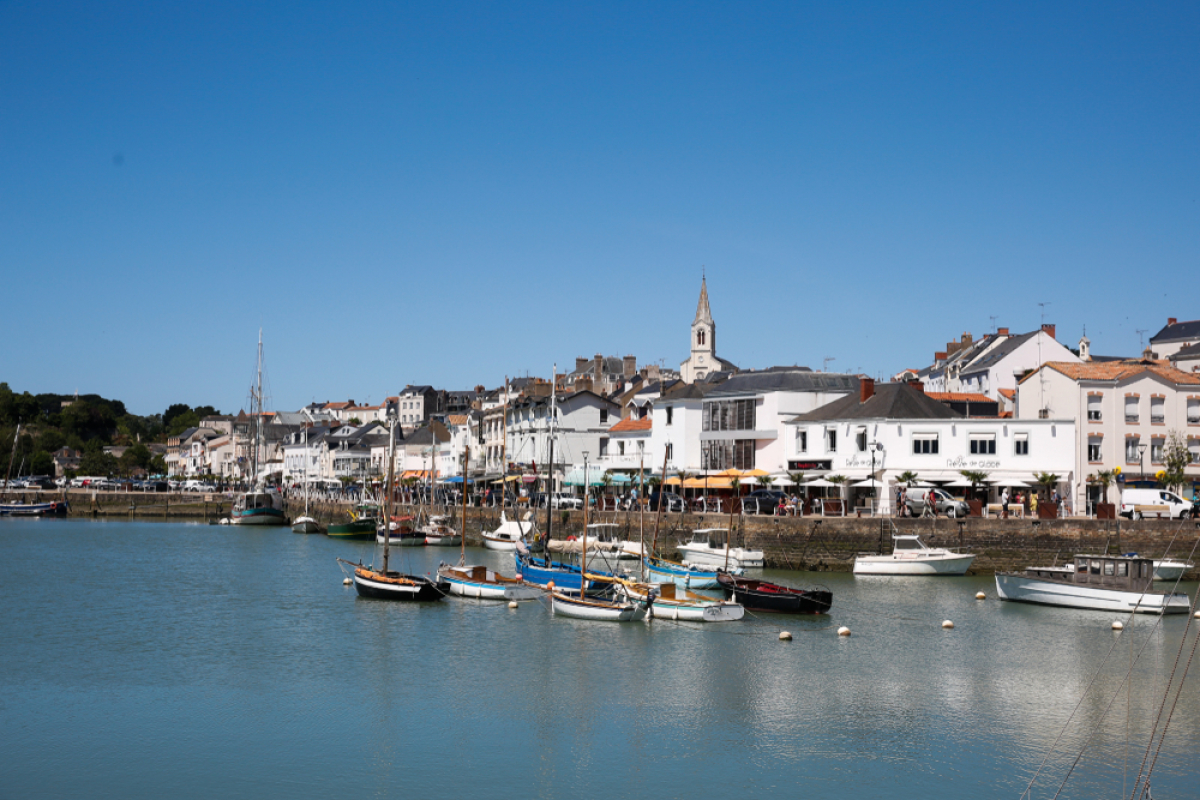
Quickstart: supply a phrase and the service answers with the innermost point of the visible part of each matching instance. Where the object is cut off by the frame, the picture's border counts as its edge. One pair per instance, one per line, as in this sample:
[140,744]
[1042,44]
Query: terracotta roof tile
[1011,394]
[1119,370]
[457,419]
[971,397]
[632,424]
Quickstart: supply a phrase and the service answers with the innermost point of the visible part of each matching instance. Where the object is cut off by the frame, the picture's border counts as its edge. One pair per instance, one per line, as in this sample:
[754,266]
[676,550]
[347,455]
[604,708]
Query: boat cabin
[710,537]
[603,533]
[1126,573]
[910,543]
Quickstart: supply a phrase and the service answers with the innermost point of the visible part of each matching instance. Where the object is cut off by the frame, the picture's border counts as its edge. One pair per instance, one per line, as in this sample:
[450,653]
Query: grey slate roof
[1191,351]
[791,380]
[1189,329]
[890,401]
[424,434]
[998,353]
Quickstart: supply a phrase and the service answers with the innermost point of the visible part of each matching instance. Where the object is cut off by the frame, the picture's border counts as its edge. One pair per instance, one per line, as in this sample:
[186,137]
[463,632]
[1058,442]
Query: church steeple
[703,312]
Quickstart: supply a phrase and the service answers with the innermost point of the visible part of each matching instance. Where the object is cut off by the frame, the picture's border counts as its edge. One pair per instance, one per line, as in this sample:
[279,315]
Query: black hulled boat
[773,597]
[391,585]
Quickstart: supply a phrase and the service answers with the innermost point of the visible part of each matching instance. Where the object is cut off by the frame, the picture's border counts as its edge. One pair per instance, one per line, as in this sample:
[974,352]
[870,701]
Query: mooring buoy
[1118,626]
[513,604]
[843,631]
[947,624]
[980,596]
[347,582]
[784,636]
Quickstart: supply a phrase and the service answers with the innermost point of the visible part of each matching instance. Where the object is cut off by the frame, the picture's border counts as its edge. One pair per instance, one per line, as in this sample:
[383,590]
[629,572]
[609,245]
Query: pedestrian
[1033,500]
[931,503]
[1004,504]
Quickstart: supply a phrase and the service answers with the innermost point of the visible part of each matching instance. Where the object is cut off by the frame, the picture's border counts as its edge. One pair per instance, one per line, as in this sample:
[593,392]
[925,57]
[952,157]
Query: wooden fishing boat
[775,598]
[675,603]
[485,584]
[401,533]
[597,610]
[364,521]
[391,585]
[438,532]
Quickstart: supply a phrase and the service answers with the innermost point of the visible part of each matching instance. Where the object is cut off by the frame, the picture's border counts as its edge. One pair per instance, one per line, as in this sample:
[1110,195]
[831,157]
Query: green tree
[1175,460]
[182,422]
[765,481]
[976,478]
[908,477]
[97,462]
[50,440]
[1047,480]
[41,463]
[157,465]
[796,477]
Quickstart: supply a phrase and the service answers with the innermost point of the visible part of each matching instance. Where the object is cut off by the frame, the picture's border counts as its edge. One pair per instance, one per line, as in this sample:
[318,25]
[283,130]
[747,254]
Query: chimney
[1171,320]
[866,389]
[599,371]
[1002,332]
[1048,329]
[918,385]
[629,364]
[939,356]
[580,364]
[967,339]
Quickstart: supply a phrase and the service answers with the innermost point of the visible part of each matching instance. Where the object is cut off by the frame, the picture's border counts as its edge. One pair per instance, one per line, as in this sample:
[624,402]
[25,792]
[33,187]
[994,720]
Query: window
[620,448]
[1131,409]
[1158,413]
[801,441]
[1194,449]
[1193,410]
[603,415]
[1123,569]
[670,414]
[1131,450]
[603,447]
[1021,444]
[700,338]
[1094,407]
[1094,449]
[1156,450]
[670,451]
[723,454]
[983,444]
[860,440]
[831,440]
[925,444]
[729,415]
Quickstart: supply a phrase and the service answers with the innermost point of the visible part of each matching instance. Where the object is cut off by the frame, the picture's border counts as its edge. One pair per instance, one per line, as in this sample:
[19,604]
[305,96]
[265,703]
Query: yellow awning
[671,481]
[731,473]
[755,473]
[708,483]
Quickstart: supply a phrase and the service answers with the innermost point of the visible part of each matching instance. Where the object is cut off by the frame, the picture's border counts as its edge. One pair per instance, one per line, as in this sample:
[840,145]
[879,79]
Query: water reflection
[202,661]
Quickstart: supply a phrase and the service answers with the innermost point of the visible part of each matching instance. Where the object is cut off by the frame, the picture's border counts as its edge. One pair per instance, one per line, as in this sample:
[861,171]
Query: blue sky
[446,194]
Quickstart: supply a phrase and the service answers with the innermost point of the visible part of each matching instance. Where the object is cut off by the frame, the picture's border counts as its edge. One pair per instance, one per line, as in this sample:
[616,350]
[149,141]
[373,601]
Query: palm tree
[765,481]
[976,478]
[908,478]
[1047,480]
[796,477]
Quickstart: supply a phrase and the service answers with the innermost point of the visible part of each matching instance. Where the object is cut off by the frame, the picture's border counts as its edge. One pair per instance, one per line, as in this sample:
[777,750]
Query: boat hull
[52,509]
[597,610]
[944,564]
[772,598]
[565,577]
[1022,589]
[484,584]
[306,525]
[361,529]
[1171,570]
[438,540]
[401,539]
[669,572]
[394,586]
[258,516]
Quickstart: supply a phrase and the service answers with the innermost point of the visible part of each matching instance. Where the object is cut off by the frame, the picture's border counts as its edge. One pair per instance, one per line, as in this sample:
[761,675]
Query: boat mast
[13,457]
[504,452]
[583,553]
[658,512]
[550,468]
[641,516]
[462,541]
[256,409]
[387,501]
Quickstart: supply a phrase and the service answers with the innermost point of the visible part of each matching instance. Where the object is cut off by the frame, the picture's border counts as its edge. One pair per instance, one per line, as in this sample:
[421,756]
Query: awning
[575,477]
[457,479]
[821,482]
[708,483]
[415,473]
[672,481]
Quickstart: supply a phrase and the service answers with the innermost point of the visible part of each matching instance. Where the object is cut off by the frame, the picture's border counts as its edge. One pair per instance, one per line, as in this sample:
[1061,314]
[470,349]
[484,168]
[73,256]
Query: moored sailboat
[260,505]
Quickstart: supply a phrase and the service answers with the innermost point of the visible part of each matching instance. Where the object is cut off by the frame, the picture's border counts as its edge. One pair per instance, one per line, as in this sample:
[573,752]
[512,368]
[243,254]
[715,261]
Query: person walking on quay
[899,501]
[931,503]
[1033,503]
[1004,504]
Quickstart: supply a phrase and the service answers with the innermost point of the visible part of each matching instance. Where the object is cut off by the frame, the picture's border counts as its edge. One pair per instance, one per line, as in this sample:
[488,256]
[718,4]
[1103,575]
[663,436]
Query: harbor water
[147,660]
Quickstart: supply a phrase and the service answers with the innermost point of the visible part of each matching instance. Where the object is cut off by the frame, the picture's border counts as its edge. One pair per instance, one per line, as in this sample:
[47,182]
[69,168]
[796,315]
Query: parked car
[763,501]
[198,486]
[946,505]
[671,502]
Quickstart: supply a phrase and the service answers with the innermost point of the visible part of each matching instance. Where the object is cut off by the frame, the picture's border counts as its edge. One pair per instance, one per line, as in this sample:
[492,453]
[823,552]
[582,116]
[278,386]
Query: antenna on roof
[1141,332]
[993,318]
[825,363]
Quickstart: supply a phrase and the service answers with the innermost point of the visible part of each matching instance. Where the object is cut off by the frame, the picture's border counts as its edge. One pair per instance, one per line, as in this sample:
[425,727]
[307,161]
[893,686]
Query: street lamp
[1141,454]
[875,447]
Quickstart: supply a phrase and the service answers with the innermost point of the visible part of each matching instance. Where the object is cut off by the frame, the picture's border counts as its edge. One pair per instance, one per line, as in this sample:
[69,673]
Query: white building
[1175,336]
[703,360]
[582,425]
[994,364]
[895,428]
[1124,411]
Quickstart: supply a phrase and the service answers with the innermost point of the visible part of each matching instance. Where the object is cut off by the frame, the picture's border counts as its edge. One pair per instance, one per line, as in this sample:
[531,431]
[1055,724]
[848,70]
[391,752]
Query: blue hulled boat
[541,571]
[662,571]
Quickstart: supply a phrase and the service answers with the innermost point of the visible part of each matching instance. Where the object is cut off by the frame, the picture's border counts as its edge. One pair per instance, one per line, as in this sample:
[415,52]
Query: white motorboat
[598,610]
[509,532]
[910,556]
[1171,569]
[305,525]
[707,548]
[1097,582]
[676,603]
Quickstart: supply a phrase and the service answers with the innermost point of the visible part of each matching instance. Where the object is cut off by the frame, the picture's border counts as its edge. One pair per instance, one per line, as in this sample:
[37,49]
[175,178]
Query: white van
[1136,503]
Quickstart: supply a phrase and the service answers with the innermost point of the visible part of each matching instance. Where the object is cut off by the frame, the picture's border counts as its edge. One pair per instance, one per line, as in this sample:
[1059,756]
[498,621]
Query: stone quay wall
[800,543]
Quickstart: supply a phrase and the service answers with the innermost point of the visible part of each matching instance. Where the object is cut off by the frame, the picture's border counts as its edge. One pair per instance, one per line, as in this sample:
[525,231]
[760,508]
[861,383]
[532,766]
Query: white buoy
[784,636]
[980,596]
[347,582]
[947,624]
[1118,626]
[843,631]
[1196,615]
[513,604]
